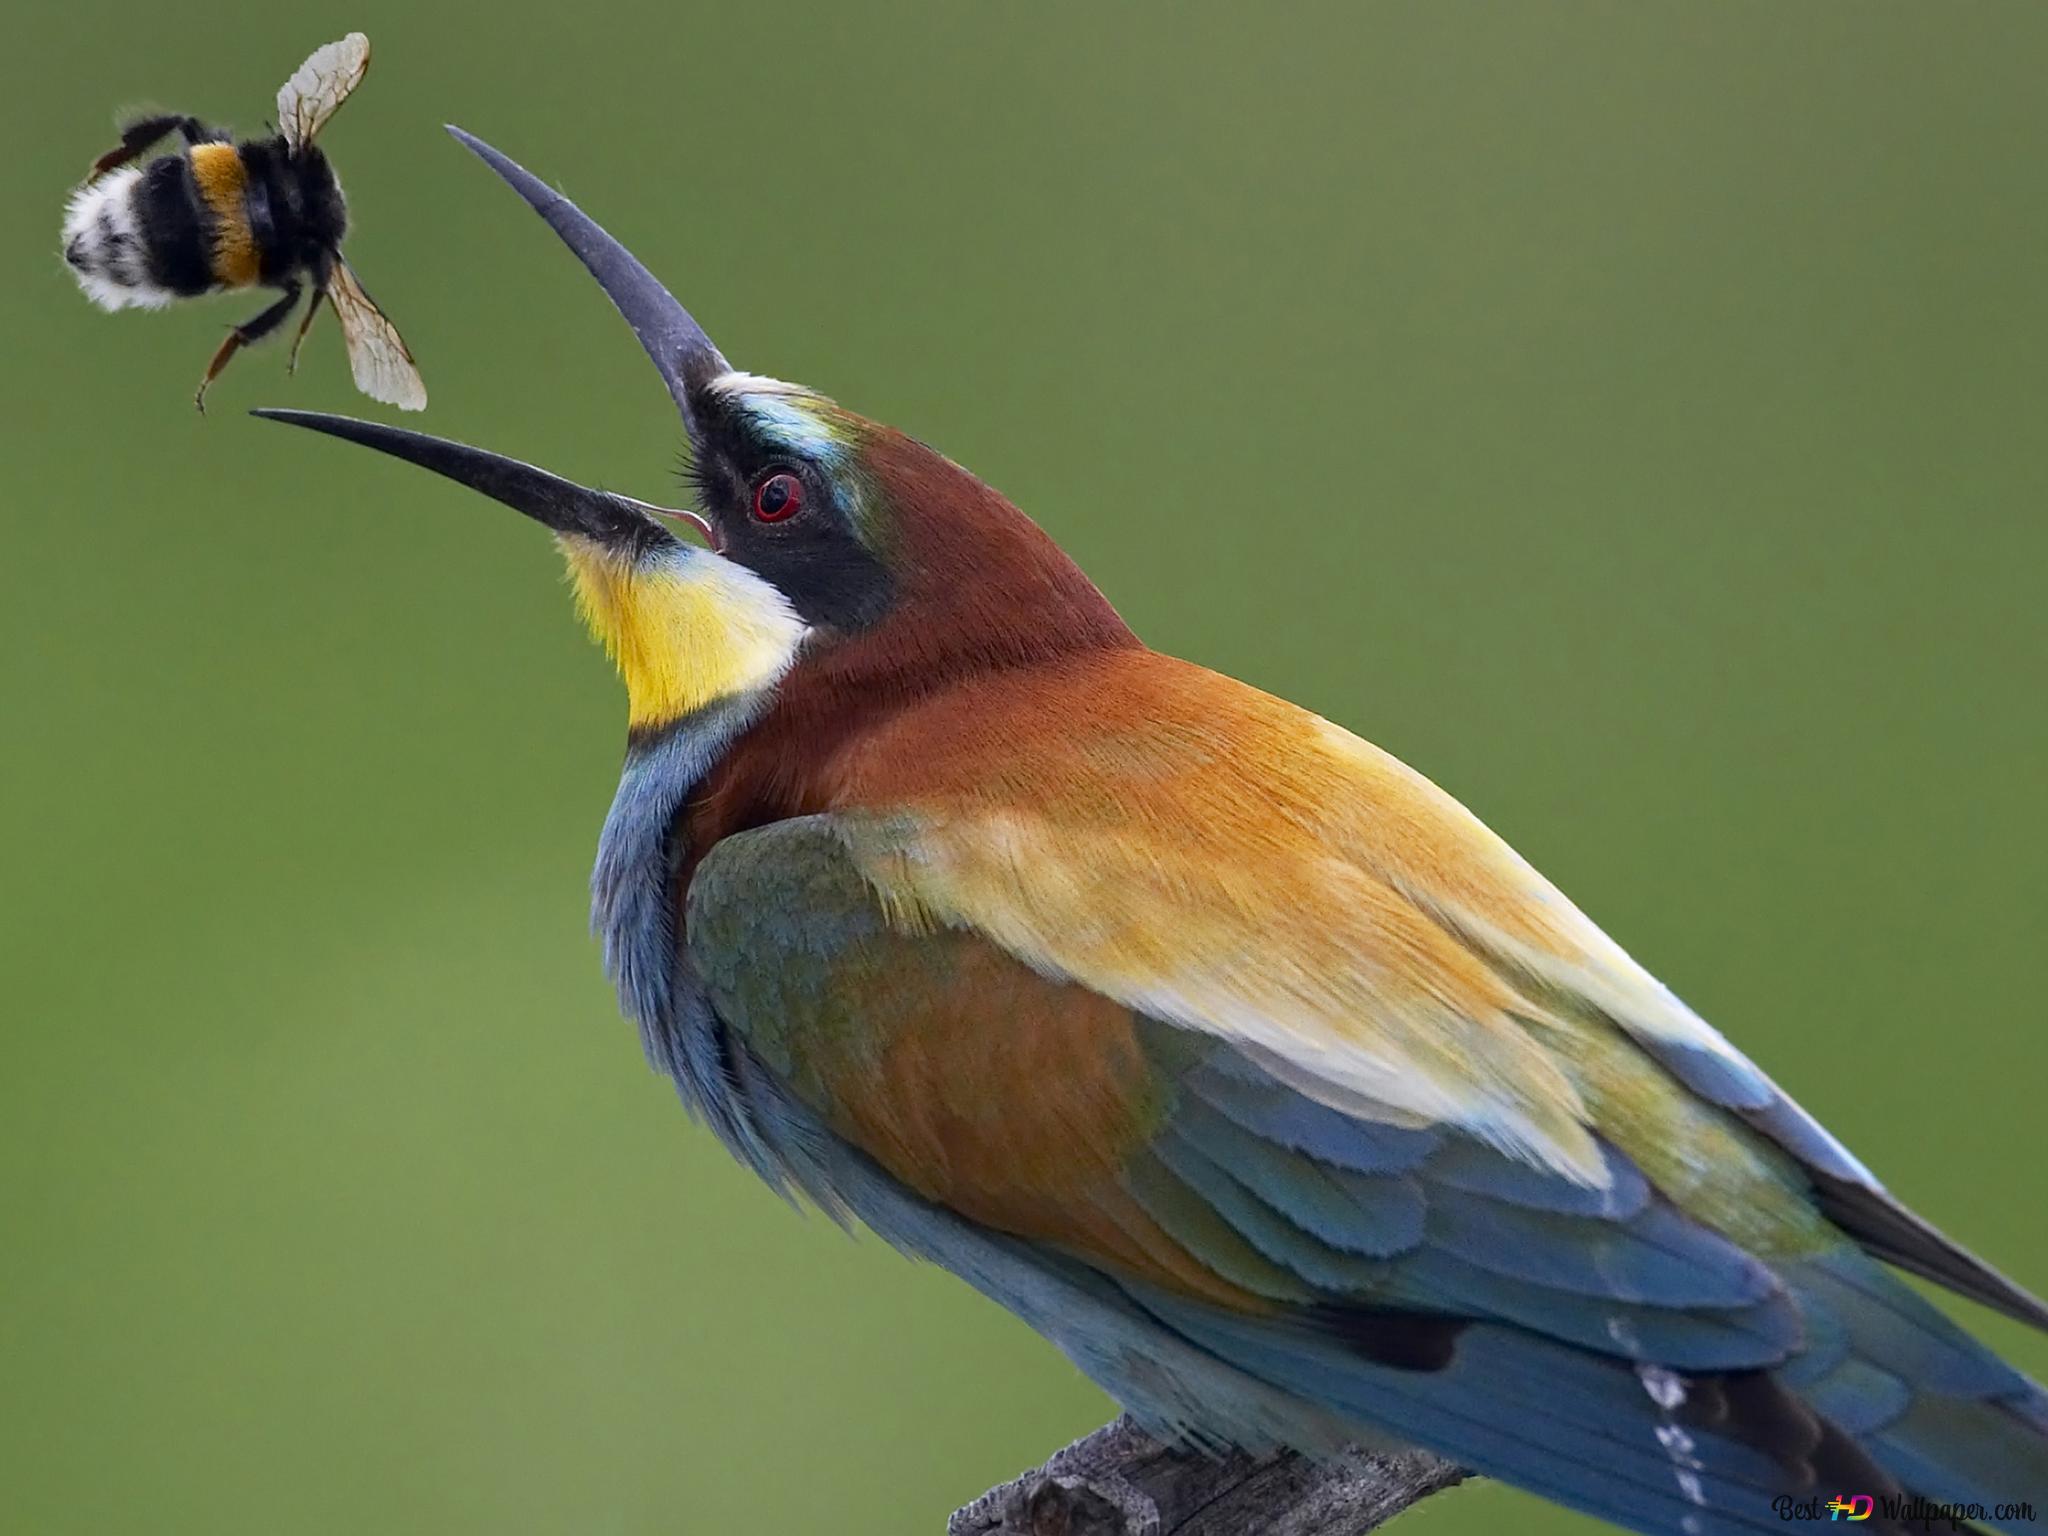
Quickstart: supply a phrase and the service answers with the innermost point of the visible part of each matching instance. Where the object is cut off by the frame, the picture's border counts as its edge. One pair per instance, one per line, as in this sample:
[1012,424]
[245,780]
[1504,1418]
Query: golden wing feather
[1218,859]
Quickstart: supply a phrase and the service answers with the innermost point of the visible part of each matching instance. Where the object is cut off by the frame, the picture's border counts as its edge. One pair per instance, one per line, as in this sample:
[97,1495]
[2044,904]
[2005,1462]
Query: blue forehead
[782,416]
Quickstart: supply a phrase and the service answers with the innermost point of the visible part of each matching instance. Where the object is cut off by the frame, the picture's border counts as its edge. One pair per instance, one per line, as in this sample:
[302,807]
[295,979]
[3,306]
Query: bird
[1227,1051]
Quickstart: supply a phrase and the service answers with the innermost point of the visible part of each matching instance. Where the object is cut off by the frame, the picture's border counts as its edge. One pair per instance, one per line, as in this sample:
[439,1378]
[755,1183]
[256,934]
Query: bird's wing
[1535,1324]
[1043,1108]
[1219,859]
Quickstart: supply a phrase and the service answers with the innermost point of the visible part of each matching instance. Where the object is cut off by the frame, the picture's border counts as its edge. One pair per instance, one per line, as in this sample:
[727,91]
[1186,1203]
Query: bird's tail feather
[1559,1421]
[1946,1417]
[1889,1399]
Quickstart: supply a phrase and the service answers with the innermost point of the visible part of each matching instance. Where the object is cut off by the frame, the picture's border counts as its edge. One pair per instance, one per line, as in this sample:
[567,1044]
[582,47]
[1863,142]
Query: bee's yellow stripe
[223,182]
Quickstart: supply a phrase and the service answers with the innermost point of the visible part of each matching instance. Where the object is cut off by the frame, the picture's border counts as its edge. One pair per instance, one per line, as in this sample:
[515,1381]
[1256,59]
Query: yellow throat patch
[685,630]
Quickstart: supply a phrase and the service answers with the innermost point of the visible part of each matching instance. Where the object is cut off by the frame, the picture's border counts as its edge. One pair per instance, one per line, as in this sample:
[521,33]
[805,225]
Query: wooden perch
[1119,1481]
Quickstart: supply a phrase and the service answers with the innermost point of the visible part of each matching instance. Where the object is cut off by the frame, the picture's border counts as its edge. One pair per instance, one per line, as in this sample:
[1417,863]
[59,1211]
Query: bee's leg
[305,325]
[245,333]
[138,136]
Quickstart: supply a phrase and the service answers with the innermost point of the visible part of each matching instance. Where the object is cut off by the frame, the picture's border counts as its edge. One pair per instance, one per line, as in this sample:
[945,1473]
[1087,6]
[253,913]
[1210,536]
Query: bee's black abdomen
[178,232]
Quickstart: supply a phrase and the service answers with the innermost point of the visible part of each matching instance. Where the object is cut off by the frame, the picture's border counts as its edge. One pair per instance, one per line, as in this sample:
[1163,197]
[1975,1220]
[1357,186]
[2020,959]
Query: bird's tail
[1948,1420]
[1888,1413]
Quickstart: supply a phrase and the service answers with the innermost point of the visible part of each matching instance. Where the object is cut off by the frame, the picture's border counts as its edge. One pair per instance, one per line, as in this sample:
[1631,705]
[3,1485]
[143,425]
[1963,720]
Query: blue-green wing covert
[1596,1342]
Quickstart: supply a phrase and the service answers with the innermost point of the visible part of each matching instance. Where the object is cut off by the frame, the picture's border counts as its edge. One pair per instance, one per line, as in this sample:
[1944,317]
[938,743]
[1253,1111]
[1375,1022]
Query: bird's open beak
[563,505]
[681,352]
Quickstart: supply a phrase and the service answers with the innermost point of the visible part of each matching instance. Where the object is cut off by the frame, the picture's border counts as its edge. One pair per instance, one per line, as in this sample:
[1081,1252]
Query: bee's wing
[377,354]
[319,86]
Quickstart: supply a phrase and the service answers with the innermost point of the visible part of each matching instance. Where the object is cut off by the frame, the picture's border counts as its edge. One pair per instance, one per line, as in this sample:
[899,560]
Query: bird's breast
[643,857]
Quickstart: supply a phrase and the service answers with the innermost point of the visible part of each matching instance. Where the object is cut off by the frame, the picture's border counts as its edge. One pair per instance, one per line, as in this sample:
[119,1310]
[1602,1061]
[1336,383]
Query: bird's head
[838,547]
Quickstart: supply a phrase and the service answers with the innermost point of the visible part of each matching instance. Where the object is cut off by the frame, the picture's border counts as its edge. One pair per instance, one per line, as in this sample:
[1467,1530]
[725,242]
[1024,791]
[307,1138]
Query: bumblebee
[220,216]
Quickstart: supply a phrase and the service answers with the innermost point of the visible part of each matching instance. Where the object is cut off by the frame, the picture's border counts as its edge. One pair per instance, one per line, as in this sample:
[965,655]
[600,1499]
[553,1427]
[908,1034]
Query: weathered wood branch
[1119,1481]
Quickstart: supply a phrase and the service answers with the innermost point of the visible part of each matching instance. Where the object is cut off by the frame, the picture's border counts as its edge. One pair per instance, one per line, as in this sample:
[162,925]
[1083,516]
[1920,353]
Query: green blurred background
[1631,415]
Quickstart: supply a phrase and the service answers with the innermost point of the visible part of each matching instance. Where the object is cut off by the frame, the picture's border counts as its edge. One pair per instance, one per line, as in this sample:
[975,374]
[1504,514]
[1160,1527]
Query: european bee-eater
[1230,1053]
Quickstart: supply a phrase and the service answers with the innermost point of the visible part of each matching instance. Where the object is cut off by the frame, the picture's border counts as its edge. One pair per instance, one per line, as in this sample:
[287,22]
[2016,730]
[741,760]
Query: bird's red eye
[778,497]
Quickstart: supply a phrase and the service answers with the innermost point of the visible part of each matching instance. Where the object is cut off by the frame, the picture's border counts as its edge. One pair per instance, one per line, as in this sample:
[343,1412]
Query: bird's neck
[741,762]
[979,591]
